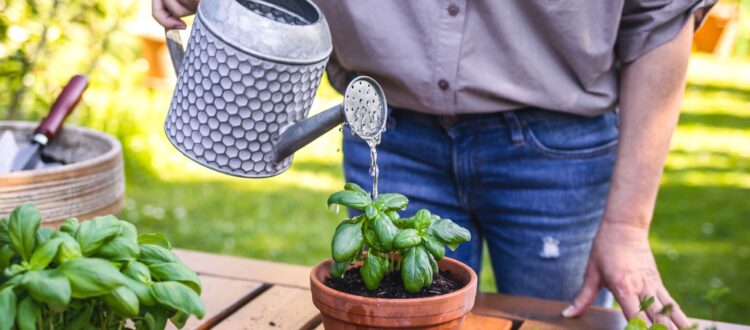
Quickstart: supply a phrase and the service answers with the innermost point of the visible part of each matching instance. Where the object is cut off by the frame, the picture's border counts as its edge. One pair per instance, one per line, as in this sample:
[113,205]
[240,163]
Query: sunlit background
[701,228]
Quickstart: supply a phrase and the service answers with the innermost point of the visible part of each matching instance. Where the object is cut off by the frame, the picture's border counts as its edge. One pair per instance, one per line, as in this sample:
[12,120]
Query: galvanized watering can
[246,82]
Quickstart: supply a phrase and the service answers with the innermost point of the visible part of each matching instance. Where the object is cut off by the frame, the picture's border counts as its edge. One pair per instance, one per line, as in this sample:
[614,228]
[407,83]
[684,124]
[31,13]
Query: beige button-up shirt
[476,56]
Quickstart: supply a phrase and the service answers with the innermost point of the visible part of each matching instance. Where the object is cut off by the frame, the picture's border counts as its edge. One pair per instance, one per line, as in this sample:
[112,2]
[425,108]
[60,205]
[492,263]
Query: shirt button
[443,84]
[453,10]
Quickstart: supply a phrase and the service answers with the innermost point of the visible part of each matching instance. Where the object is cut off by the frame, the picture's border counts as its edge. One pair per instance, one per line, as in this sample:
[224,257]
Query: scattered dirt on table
[391,286]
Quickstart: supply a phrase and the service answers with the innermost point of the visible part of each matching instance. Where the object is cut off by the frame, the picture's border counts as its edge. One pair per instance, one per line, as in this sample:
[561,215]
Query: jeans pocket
[567,136]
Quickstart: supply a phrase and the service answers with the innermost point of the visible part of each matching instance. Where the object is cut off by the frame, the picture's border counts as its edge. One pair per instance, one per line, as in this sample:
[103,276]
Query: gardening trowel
[28,157]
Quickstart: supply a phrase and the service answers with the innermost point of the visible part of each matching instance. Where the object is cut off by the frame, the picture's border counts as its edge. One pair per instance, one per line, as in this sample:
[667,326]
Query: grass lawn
[700,231]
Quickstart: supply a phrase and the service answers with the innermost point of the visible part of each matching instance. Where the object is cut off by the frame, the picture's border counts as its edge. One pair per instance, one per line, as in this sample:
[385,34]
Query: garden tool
[246,82]
[27,158]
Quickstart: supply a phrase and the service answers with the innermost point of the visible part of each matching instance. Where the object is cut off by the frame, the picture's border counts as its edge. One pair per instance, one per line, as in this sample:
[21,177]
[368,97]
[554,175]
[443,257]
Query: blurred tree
[44,42]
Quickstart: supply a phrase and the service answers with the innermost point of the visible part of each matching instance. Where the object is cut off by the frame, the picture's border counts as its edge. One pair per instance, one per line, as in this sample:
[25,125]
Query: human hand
[621,260]
[168,12]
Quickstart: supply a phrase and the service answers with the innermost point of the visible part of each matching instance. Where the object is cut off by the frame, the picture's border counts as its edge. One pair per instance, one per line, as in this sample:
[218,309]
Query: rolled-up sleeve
[647,24]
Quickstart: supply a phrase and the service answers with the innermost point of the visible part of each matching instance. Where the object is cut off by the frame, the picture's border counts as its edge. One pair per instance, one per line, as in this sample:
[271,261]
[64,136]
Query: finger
[586,296]
[192,5]
[176,9]
[655,317]
[629,303]
[163,17]
[678,316]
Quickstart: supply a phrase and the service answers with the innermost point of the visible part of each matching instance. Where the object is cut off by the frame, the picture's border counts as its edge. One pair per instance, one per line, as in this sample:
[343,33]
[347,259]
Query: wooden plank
[706,324]
[546,311]
[246,269]
[278,308]
[479,322]
[221,296]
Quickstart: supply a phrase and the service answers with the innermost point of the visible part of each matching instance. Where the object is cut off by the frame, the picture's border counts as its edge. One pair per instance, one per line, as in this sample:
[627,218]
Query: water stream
[374,171]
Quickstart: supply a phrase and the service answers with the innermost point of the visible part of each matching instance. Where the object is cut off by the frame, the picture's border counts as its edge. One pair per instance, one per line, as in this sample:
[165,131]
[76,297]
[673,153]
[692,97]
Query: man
[542,126]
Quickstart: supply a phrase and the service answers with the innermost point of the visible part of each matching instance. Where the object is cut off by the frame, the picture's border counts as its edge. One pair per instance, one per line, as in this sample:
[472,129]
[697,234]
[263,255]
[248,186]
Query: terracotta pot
[341,310]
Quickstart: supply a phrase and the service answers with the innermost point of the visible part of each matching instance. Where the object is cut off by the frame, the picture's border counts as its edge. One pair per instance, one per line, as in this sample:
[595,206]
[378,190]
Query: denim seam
[568,154]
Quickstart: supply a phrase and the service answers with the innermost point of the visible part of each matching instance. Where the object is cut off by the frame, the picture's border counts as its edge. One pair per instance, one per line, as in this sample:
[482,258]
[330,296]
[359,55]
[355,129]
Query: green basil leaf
[22,227]
[347,241]
[91,277]
[6,255]
[44,234]
[449,232]
[179,319]
[392,202]
[356,188]
[27,314]
[393,215]
[339,268]
[123,301]
[353,199]
[386,231]
[421,220]
[372,270]
[81,318]
[636,323]
[155,239]
[172,271]
[7,308]
[416,269]
[154,254]
[49,286]
[371,239]
[138,271]
[122,247]
[658,326]
[93,234]
[646,303]
[44,254]
[434,265]
[371,212]
[70,226]
[4,239]
[434,246]
[141,290]
[69,248]
[406,238]
[158,314]
[178,297]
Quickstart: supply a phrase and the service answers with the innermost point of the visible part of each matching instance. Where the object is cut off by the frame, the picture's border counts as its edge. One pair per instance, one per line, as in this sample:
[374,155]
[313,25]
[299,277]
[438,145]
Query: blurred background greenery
[700,231]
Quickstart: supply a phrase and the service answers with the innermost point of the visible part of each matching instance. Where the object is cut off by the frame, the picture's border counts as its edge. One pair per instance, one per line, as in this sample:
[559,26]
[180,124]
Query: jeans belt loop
[516,131]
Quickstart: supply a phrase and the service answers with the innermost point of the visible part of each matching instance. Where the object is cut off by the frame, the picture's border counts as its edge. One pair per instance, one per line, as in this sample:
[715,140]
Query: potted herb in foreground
[98,274]
[390,272]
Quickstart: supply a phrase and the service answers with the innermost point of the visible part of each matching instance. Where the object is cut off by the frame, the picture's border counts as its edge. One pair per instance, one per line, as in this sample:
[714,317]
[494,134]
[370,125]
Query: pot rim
[396,301]
[114,151]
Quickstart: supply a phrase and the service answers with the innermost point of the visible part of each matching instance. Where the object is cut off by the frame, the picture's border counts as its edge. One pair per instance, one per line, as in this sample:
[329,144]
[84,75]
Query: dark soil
[391,286]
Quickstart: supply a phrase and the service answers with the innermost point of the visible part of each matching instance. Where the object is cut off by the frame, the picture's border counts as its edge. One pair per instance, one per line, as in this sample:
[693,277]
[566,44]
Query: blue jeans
[531,183]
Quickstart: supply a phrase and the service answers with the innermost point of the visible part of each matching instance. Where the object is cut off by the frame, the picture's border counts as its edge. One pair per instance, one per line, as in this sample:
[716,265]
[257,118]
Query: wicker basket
[92,183]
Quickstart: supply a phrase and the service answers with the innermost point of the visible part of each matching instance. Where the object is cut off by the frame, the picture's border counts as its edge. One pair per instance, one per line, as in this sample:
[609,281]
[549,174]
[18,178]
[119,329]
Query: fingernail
[568,311]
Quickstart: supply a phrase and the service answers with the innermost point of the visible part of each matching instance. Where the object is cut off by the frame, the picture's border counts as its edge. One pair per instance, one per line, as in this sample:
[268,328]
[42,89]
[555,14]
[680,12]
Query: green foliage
[92,275]
[409,245]
[637,323]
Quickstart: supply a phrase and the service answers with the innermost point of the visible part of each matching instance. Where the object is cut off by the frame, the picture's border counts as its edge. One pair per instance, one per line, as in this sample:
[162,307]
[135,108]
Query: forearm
[651,90]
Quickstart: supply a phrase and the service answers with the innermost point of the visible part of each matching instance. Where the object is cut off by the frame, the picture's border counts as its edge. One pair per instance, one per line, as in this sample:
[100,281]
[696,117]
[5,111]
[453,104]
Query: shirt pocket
[565,136]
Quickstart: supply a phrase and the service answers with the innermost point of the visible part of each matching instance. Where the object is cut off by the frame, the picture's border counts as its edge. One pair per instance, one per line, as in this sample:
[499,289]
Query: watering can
[246,82]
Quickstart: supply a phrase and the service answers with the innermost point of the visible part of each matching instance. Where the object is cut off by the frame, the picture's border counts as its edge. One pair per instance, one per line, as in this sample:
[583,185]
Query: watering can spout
[304,132]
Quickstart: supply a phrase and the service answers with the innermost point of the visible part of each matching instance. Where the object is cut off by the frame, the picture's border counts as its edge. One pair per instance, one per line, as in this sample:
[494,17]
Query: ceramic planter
[341,310]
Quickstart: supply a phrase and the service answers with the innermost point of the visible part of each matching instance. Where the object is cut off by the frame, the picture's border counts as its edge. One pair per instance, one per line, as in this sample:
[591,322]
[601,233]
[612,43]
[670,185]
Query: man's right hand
[168,12]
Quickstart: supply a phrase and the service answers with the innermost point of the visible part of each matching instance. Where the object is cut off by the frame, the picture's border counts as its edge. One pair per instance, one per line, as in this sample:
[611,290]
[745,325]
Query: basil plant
[411,246]
[99,274]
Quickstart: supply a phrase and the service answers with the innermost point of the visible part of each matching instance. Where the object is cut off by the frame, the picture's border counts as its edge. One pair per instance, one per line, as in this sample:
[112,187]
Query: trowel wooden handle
[63,106]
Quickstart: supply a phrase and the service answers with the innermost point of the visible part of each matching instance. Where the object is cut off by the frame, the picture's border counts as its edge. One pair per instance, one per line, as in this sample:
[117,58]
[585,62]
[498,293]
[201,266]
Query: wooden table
[244,293]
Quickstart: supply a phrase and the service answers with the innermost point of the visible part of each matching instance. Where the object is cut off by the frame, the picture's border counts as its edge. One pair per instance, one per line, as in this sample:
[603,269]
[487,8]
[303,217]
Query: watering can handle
[176,50]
